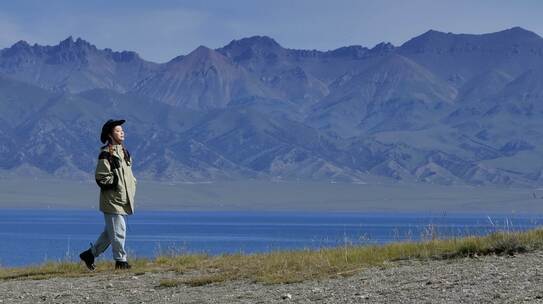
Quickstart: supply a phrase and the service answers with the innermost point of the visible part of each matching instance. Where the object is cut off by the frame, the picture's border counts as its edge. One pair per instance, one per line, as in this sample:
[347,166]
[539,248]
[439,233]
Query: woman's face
[117,134]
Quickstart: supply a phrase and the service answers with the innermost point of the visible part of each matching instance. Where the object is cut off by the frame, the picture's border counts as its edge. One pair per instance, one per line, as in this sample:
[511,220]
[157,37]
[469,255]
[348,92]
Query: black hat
[108,126]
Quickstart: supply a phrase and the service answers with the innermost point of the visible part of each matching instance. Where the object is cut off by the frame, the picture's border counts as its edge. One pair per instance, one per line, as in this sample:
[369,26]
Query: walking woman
[117,189]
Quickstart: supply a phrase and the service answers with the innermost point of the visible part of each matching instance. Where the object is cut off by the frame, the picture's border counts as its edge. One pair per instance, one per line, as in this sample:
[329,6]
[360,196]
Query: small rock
[135,278]
[286,296]
[362,296]
[109,285]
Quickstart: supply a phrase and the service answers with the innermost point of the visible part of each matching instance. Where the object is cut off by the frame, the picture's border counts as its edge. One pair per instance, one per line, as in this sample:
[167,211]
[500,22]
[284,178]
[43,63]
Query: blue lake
[34,236]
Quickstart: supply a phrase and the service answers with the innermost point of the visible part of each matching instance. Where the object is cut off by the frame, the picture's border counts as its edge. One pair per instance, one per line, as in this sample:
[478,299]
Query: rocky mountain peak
[124,56]
[382,48]
[254,42]
[71,44]
[19,48]
[247,48]
[518,31]
[441,42]
[201,50]
[353,51]
[67,43]
[428,40]
[202,55]
[21,45]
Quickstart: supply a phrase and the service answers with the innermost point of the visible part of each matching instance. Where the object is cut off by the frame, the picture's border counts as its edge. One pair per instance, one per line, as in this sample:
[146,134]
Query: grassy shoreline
[295,266]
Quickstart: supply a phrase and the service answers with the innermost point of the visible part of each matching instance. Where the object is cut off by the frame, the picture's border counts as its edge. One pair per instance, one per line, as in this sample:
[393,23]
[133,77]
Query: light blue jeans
[114,234]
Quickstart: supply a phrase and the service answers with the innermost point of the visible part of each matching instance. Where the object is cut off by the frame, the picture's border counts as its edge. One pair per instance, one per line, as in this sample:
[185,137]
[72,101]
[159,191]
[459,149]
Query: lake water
[34,236]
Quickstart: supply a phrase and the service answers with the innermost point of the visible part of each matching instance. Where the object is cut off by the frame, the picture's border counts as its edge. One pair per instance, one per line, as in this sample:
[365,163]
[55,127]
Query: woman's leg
[101,243]
[116,231]
[96,249]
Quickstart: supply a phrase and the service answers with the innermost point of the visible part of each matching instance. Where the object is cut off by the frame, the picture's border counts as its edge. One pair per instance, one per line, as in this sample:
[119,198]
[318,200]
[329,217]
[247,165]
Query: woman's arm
[105,177]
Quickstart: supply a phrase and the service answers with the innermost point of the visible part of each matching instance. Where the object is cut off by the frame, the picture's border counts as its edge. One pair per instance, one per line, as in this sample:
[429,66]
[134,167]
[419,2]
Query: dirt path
[492,279]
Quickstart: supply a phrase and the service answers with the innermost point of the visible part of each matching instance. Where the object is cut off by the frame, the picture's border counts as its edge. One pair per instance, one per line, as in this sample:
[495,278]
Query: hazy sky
[160,30]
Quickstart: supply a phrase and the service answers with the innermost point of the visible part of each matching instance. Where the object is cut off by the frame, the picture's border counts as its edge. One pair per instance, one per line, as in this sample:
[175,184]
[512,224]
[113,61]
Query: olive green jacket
[116,181]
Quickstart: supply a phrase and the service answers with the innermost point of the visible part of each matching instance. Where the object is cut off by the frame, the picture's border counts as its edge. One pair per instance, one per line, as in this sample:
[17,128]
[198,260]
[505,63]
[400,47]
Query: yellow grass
[295,266]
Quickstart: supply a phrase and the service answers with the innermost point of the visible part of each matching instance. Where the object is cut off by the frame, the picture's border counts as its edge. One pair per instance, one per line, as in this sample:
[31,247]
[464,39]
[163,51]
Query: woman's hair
[126,155]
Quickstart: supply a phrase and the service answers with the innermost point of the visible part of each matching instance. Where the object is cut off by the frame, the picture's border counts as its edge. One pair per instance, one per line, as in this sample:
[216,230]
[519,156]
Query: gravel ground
[490,279]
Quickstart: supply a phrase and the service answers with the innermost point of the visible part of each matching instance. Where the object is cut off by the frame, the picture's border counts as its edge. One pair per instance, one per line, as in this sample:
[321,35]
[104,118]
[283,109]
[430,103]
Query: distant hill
[441,108]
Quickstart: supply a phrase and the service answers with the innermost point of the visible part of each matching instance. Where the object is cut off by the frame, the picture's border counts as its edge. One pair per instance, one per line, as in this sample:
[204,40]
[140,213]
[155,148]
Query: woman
[117,189]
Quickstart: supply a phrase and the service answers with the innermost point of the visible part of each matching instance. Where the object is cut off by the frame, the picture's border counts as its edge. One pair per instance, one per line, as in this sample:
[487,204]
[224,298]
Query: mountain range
[441,108]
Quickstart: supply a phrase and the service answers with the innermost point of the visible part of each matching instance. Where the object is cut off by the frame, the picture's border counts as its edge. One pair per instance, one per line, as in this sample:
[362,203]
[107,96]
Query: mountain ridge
[440,108]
